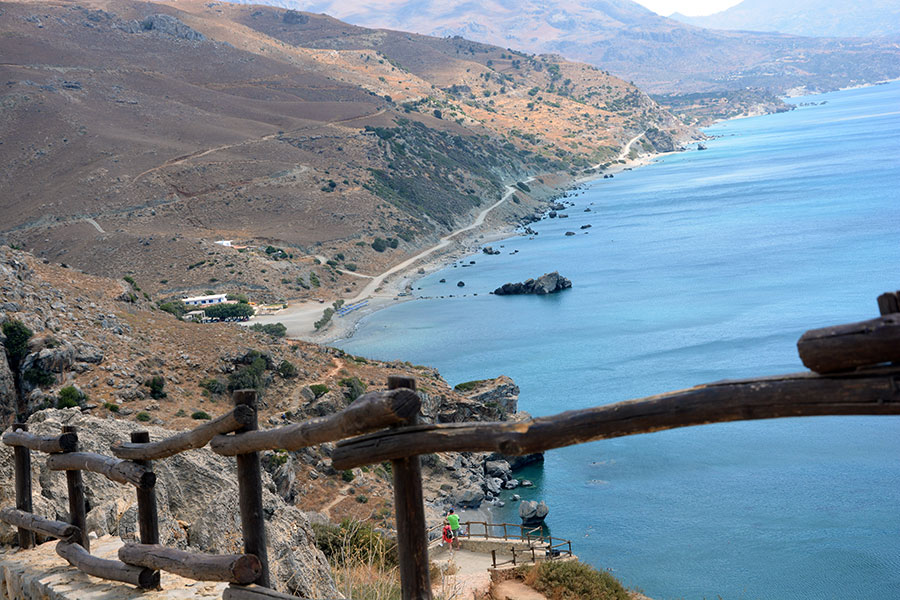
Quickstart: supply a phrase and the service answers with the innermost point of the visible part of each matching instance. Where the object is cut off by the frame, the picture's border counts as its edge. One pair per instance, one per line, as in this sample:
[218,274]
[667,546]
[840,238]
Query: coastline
[394,286]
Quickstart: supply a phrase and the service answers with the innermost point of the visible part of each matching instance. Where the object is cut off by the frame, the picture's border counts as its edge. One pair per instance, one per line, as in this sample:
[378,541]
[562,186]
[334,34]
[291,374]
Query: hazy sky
[688,7]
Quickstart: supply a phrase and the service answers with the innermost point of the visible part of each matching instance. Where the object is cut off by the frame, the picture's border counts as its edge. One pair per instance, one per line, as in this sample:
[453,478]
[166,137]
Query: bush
[175,308]
[70,396]
[274,329]
[523,186]
[111,406]
[200,416]
[573,580]
[468,386]
[241,298]
[39,377]
[249,376]
[156,385]
[347,475]
[319,389]
[379,245]
[287,369]
[325,320]
[16,342]
[214,386]
[362,498]
[355,387]
[142,416]
[353,541]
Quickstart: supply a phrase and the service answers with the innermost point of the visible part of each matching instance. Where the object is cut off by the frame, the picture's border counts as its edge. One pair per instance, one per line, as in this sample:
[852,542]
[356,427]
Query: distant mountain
[817,18]
[659,54]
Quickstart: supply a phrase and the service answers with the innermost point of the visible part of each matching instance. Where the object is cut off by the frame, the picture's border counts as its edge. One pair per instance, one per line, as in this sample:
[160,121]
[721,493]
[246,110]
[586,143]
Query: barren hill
[135,135]
[660,54]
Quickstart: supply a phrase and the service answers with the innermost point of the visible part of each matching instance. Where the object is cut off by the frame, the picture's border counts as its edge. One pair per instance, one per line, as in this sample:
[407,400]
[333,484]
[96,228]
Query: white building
[204,300]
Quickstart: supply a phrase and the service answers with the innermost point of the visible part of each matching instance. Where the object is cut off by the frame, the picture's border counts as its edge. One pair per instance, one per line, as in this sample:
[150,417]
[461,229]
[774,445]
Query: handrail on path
[856,371]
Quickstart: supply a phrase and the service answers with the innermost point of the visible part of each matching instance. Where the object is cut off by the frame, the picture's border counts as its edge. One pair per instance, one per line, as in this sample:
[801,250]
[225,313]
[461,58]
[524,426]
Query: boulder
[471,497]
[498,468]
[533,513]
[548,283]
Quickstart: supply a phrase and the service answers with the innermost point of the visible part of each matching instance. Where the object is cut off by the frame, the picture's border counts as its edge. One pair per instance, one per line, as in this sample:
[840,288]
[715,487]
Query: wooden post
[77,513]
[148,520]
[253,525]
[23,486]
[888,303]
[494,558]
[505,535]
[412,545]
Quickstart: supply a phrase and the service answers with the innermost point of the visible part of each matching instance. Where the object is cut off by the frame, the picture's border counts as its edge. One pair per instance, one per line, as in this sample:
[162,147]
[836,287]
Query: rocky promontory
[548,283]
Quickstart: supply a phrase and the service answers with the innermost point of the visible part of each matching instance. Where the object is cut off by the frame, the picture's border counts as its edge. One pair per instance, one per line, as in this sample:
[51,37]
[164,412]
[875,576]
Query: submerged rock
[548,283]
[533,513]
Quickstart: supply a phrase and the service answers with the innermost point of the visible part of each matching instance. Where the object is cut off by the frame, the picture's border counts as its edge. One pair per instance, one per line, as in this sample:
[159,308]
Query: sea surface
[705,265]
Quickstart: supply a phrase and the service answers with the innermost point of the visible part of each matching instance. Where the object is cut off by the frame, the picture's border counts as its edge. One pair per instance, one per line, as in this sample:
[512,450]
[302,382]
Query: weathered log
[233,420]
[370,412]
[889,303]
[874,392]
[22,474]
[148,519]
[412,540]
[253,524]
[33,523]
[66,442]
[77,503]
[122,471]
[846,347]
[254,592]
[82,560]
[234,568]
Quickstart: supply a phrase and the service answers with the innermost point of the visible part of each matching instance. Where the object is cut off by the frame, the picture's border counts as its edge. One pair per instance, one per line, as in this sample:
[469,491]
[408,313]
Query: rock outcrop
[548,283]
[533,513]
[196,496]
[166,25]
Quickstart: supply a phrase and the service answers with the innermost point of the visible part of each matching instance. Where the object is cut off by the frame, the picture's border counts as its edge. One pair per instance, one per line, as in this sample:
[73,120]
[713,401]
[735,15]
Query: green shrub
[523,186]
[156,385]
[175,308]
[574,580]
[214,386]
[379,245]
[249,377]
[181,413]
[200,416]
[241,298]
[16,342]
[468,386]
[111,406]
[319,389]
[274,329]
[287,369]
[39,377]
[354,387]
[70,396]
[347,475]
[142,416]
[326,318]
[228,311]
[362,498]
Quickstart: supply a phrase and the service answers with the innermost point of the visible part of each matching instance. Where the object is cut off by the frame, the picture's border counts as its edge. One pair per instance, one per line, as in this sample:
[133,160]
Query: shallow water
[706,265]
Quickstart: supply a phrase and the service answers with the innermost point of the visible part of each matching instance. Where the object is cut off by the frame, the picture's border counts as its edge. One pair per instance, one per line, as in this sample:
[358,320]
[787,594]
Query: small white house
[226,243]
[204,300]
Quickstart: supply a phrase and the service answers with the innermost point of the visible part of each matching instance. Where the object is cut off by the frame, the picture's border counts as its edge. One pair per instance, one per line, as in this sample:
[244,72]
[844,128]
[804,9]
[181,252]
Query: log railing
[856,372]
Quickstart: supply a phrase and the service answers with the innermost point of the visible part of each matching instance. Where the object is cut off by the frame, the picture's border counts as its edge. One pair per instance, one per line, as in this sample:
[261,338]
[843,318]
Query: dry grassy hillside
[135,135]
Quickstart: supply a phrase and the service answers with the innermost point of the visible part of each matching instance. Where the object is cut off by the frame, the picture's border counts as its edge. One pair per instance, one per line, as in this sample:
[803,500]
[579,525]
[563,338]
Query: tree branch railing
[857,372]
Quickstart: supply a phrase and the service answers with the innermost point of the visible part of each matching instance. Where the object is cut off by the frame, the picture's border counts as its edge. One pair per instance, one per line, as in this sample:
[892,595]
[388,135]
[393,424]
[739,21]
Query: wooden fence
[856,372]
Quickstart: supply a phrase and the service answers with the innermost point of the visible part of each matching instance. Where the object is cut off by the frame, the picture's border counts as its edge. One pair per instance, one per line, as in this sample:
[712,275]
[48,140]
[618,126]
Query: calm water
[704,266]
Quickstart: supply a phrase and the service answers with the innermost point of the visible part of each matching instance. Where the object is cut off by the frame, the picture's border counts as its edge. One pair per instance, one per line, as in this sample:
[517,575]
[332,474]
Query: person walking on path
[453,520]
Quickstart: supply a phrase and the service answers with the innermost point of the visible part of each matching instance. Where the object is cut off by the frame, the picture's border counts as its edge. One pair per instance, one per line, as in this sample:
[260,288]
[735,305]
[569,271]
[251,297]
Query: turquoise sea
[706,265]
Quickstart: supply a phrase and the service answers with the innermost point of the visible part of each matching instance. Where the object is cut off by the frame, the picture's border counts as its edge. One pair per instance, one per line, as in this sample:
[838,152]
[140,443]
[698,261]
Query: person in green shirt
[453,520]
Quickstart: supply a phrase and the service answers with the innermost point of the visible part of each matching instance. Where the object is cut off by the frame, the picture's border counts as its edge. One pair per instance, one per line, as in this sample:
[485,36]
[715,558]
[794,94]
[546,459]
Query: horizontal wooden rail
[372,411]
[845,347]
[81,559]
[876,392]
[122,471]
[254,592]
[26,520]
[66,442]
[233,420]
[233,568]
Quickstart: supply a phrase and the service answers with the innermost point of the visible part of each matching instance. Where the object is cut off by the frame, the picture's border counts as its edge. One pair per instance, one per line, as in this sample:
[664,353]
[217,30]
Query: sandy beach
[395,284]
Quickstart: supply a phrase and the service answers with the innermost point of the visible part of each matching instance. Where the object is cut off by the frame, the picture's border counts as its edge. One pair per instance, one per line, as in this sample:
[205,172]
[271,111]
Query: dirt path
[341,495]
[464,574]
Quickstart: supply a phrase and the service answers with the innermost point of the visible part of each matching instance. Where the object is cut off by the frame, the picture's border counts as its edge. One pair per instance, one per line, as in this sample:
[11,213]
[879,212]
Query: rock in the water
[533,513]
[460,284]
[570,233]
[548,283]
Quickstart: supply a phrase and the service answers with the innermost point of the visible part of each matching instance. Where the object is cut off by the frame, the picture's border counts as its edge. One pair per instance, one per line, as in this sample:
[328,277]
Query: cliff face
[197,500]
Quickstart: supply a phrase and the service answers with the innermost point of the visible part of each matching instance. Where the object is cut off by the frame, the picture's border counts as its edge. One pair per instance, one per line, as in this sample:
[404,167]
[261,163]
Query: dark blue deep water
[703,266]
